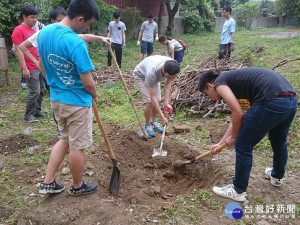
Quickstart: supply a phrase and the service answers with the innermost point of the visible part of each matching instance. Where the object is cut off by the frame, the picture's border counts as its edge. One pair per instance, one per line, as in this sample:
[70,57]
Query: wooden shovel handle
[108,145]
[127,91]
[218,149]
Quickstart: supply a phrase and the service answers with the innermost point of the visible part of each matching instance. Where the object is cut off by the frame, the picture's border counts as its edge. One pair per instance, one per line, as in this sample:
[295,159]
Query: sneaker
[40,114]
[23,86]
[157,127]
[229,192]
[274,181]
[58,133]
[149,130]
[53,188]
[86,188]
[30,119]
[93,132]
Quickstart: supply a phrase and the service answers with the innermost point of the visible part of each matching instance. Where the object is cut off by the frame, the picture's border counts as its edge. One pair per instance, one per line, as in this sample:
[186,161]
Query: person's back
[259,85]
[66,59]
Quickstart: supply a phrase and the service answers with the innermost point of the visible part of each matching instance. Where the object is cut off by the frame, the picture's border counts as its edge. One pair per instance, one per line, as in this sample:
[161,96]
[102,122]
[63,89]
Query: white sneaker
[229,192]
[274,181]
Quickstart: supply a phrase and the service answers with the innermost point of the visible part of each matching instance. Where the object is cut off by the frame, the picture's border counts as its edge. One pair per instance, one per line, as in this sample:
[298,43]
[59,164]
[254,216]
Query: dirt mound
[147,183]
[17,143]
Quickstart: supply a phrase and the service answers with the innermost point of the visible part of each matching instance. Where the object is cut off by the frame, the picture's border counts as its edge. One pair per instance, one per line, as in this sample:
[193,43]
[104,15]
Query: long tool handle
[218,149]
[162,138]
[127,91]
[108,145]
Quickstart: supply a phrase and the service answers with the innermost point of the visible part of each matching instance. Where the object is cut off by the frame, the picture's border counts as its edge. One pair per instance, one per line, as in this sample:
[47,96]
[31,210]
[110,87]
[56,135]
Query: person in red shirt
[31,72]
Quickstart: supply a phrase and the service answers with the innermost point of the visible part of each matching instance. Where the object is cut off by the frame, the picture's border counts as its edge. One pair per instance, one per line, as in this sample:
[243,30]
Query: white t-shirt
[175,45]
[33,39]
[148,30]
[149,70]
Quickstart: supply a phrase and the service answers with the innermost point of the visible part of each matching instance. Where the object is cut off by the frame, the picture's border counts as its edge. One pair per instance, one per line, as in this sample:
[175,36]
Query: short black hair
[162,38]
[227,9]
[56,11]
[28,10]
[171,67]
[205,78]
[117,14]
[149,15]
[86,8]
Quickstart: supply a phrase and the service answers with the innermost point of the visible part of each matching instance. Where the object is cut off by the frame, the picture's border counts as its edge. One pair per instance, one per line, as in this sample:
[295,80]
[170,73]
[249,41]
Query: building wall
[142,5]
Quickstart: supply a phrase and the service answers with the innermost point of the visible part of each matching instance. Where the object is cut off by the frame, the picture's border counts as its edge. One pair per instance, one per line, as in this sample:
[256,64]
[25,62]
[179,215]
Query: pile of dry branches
[185,87]
[102,76]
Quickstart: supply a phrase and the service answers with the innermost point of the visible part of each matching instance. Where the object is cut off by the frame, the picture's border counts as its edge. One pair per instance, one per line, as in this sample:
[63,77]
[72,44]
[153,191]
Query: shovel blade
[158,152]
[115,180]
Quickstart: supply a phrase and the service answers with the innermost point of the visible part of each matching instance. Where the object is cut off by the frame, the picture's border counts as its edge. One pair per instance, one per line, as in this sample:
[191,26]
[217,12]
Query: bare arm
[92,37]
[140,35]
[167,90]
[172,54]
[89,85]
[21,59]
[236,111]
[124,38]
[24,48]
[232,37]
[41,66]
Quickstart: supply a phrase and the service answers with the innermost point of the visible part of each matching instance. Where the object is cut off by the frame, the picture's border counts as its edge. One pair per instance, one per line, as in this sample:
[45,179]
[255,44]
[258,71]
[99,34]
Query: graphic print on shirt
[62,68]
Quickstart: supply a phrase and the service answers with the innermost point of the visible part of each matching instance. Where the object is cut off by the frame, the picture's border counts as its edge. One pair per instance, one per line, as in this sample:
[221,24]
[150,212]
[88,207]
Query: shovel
[180,163]
[115,179]
[142,133]
[160,152]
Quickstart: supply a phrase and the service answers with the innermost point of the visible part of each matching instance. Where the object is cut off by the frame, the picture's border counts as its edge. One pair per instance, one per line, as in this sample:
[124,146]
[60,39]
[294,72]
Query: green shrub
[131,17]
[193,23]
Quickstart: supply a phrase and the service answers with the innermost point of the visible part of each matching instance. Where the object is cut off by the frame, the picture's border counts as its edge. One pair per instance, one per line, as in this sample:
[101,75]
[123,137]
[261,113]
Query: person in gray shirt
[146,33]
[147,76]
[116,32]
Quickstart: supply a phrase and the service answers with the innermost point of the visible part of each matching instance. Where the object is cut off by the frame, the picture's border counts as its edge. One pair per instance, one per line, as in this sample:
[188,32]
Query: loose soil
[148,183]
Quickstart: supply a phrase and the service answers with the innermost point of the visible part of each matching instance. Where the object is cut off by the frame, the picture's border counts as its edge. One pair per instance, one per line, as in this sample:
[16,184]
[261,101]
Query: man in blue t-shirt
[67,66]
[227,35]
[271,105]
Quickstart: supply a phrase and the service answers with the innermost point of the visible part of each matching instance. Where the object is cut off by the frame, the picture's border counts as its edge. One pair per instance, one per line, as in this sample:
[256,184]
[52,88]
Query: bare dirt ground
[148,184]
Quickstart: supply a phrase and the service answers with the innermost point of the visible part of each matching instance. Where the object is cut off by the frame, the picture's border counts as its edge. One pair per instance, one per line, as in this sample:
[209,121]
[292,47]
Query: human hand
[138,43]
[123,45]
[156,38]
[168,111]
[26,73]
[164,121]
[232,47]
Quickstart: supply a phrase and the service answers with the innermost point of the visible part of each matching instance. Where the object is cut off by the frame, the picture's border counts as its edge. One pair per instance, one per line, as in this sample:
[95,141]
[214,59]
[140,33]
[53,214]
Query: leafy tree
[288,7]
[9,17]
[131,16]
[171,14]
[245,13]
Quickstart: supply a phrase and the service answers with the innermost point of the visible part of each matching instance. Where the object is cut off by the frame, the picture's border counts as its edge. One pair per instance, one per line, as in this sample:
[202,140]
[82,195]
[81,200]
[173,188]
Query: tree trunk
[171,14]
[159,20]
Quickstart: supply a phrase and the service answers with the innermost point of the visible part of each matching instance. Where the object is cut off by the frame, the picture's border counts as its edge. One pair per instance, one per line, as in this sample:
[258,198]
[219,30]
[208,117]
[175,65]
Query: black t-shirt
[254,85]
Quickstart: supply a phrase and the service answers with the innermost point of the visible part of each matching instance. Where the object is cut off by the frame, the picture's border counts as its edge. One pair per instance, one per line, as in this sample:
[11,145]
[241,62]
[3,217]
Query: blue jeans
[273,118]
[147,47]
[179,55]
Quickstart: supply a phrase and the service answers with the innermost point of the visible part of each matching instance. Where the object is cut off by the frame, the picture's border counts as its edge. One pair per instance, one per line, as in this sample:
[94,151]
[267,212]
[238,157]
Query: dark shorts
[147,47]
[224,51]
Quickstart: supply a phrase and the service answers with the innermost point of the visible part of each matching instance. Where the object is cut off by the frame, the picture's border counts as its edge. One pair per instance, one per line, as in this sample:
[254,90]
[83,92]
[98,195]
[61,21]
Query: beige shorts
[144,91]
[75,124]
